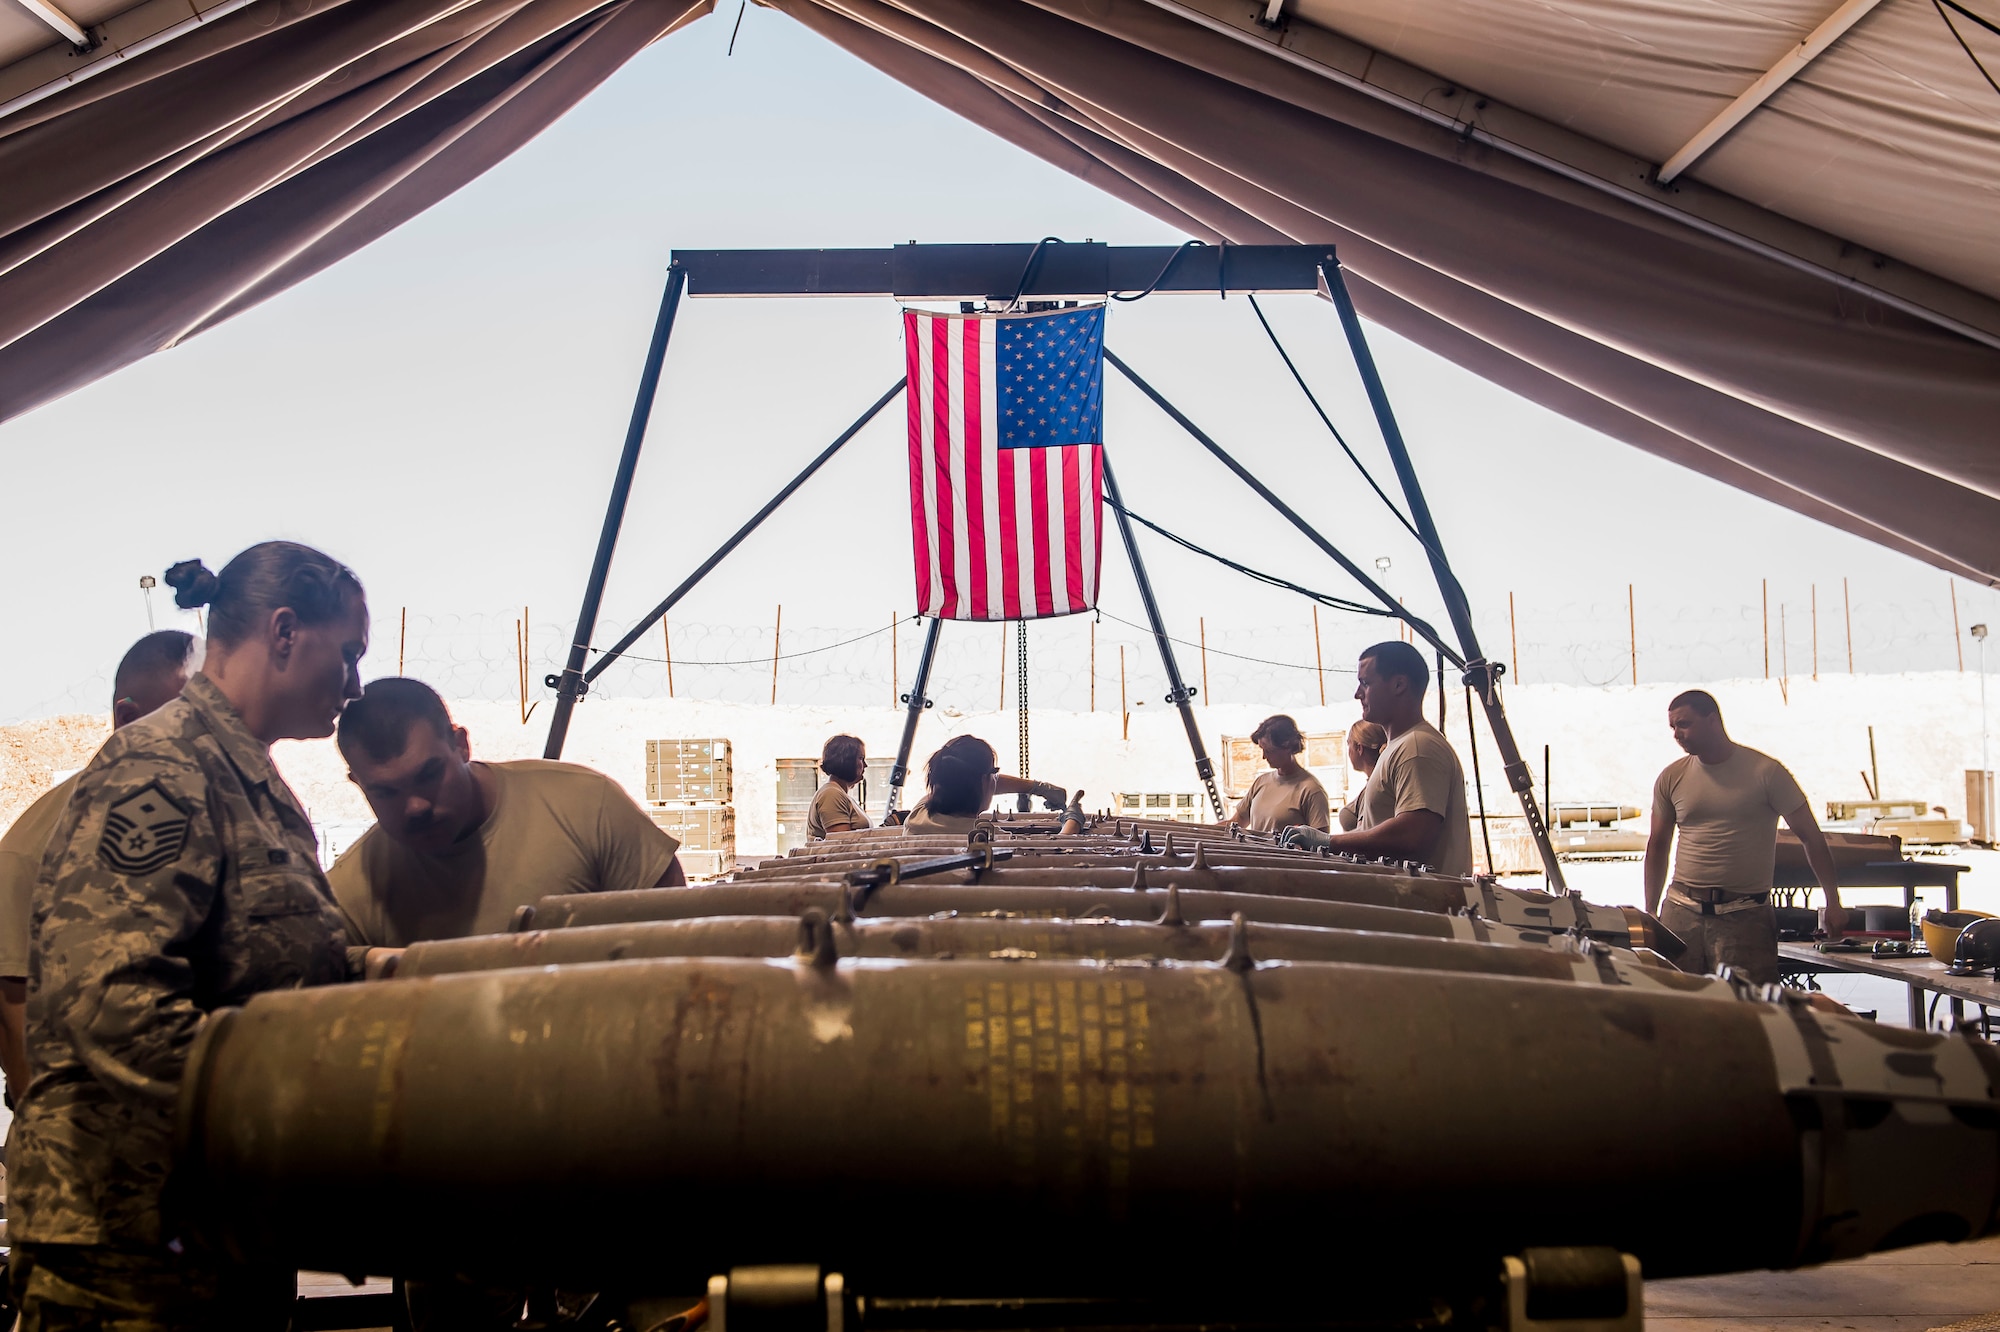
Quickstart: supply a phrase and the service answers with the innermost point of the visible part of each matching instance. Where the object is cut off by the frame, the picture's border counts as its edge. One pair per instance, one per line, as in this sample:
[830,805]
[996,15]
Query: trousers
[1744,941]
[66,1287]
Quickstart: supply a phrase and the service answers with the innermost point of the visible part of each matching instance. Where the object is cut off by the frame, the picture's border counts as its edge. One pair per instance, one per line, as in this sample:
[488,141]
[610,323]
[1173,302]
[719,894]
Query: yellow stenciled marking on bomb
[1064,1066]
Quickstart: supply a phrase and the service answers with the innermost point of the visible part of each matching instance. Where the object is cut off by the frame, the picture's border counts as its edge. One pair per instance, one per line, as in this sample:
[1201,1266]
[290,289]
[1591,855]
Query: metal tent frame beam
[1751,99]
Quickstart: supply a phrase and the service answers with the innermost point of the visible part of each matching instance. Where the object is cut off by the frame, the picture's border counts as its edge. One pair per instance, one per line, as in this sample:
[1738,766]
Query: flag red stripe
[1010,550]
[913,399]
[1072,531]
[1096,519]
[1038,509]
[949,601]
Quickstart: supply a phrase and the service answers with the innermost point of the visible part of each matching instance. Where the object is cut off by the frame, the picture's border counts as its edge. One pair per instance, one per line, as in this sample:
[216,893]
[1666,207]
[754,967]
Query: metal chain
[1021,687]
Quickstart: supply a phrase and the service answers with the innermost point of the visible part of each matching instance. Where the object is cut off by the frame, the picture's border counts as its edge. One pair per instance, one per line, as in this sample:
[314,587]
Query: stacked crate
[689,788]
[1180,806]
[798,783]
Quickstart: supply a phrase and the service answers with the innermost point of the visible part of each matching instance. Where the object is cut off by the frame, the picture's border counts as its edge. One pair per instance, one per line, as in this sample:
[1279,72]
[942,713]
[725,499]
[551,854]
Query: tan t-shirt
[1419,770]
[923,821]
[1274,802]
[20,865]
[1728,815]
[554,828]
[832,804]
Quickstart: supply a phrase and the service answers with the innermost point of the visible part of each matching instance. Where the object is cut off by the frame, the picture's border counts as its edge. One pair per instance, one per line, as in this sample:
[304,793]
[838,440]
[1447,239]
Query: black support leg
[1178,693]
[1482,675]
[569,686]
[917,701]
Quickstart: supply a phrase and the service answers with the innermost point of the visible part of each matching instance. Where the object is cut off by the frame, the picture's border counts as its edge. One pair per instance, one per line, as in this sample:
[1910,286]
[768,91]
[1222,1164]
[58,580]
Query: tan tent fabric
[187,184]
[151,202]
[1756,374]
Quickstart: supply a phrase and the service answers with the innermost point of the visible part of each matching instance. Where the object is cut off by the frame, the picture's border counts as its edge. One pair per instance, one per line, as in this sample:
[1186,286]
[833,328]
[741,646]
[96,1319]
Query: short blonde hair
[1368,735]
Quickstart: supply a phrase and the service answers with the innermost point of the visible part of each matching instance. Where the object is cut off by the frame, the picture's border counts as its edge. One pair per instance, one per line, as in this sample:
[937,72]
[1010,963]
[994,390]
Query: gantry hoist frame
[1044,272]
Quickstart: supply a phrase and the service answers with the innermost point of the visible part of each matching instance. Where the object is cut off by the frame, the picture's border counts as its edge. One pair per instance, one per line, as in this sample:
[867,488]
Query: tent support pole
[653,616]
[1178,693]
[1482,675]
[570,686]
[900,773]
[1264,492]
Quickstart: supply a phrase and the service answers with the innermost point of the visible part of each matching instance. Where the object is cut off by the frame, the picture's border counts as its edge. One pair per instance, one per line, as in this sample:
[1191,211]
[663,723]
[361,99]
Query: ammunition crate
[798,780]
[704,865]
[1180,806]
[698,827]
[689,770]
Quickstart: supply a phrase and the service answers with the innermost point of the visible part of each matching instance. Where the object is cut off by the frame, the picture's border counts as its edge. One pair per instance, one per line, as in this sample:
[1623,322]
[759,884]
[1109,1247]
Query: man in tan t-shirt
[151,675]
[1726,800]
[1413,806]
[458,847]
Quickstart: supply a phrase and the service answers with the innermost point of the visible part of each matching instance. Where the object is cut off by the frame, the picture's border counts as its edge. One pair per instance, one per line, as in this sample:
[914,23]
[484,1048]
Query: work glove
[1073,811]
[1303,838]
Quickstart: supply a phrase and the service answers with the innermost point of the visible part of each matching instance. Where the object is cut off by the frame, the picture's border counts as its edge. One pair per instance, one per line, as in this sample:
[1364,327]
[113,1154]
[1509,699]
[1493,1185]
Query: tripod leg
[1178,693]
[900,773]
[1481,674]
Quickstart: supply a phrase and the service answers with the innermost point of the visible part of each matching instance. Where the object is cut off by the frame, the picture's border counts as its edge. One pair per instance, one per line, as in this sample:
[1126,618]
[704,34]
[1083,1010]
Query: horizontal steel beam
[1087,271]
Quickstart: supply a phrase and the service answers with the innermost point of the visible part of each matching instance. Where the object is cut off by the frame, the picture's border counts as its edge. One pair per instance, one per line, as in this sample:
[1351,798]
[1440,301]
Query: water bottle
[1917,920]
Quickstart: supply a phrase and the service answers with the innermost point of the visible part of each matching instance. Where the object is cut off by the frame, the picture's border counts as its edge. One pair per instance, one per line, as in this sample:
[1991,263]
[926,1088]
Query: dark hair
[1281,731]
[1699,700]
[957,776]
[1393,659]
[269,575]
[379,721]
[161,653]
[842,759]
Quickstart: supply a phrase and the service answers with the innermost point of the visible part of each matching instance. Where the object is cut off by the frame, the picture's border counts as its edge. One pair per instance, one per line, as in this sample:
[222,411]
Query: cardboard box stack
[689,788]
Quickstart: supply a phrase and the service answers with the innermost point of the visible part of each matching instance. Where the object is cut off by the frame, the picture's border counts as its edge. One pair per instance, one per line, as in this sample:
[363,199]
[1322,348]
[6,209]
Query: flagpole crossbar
[1043,272]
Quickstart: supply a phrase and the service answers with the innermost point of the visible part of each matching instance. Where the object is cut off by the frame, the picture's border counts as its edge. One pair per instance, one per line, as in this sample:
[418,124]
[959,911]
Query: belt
[1708,899]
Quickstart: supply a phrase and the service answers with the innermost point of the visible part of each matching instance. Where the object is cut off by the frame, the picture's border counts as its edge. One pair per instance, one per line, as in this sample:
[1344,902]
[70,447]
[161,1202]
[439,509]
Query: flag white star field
[1006,462]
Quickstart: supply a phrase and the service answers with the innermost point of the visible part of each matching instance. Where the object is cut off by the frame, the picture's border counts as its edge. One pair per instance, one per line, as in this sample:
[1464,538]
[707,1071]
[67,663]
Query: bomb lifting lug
[1572,1290]
[785,1297]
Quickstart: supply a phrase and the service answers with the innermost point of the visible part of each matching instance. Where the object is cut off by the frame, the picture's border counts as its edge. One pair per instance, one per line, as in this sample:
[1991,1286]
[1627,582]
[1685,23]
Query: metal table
[1907,874]
[1919,973]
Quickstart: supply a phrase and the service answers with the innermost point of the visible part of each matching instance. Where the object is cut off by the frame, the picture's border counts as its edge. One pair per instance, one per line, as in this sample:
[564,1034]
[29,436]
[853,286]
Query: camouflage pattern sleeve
[135,878]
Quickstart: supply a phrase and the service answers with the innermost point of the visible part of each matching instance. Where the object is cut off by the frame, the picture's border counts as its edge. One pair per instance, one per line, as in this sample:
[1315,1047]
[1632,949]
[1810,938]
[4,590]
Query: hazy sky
[444,409]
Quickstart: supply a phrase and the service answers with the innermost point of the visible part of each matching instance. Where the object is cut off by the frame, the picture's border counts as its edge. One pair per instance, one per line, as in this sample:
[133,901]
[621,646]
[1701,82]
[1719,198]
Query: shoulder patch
[144,832]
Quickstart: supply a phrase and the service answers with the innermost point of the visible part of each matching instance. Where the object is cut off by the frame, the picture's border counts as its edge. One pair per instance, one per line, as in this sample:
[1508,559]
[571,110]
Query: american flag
[1006,462]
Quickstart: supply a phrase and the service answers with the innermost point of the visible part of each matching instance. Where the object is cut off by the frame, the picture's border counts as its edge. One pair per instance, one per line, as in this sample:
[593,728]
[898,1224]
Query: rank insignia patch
[143,832]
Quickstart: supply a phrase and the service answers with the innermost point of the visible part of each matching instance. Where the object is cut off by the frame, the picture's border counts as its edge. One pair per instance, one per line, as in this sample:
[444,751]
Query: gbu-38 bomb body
[1044,1069]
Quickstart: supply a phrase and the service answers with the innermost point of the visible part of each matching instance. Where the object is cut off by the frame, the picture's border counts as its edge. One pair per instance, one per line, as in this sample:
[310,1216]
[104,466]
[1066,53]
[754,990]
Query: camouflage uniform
[183,878]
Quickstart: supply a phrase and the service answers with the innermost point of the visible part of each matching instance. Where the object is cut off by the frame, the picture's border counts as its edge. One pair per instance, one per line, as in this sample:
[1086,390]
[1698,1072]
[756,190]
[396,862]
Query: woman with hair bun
[1365,742]
[844,760]
[1286,796]
[184,877]
[963,780]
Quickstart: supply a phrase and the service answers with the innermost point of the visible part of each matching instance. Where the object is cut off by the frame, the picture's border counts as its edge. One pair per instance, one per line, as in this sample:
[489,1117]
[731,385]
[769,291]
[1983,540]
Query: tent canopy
[1755,239]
